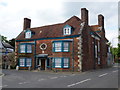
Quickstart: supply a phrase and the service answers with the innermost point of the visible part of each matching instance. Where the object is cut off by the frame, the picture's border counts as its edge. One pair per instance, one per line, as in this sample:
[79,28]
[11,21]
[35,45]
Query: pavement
[102,78]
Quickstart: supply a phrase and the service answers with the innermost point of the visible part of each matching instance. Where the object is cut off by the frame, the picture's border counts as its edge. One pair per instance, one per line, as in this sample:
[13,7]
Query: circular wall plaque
[43,46]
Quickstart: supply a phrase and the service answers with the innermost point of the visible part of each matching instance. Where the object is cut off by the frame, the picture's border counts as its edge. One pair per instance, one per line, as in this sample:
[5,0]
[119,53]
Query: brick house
[73,45]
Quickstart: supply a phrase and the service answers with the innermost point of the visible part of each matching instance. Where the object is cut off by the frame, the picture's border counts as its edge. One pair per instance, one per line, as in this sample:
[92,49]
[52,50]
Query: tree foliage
[3,38]
[118,51]
[11,42]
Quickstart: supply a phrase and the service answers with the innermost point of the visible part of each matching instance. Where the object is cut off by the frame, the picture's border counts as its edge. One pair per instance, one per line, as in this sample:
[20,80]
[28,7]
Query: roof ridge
[46,26]
[72,18]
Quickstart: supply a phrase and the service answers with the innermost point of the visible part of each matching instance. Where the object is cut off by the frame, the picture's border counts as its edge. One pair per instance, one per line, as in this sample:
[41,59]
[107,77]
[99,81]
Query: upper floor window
[22,48]
[65,46]
[25,48]
[67,30]
[28,34]
[58,46]
[29,48]
[61,46]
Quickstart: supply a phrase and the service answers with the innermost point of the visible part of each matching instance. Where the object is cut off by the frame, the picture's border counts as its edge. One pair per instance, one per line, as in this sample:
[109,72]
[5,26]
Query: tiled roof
[5,45]
[55,30]
[96,27]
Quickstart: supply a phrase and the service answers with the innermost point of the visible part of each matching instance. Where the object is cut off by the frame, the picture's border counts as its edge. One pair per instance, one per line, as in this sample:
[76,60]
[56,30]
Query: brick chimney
[84,15]
[27,23]
[101,20]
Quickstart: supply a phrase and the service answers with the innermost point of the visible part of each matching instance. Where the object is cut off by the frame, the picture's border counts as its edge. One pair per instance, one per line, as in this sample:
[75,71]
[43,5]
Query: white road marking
[20,83]
[72,75]
[115,71]
[53,77]
[41,79]
[64,76]
[61,76]
[4,86]
[25,82]
[102,74]
[78,82]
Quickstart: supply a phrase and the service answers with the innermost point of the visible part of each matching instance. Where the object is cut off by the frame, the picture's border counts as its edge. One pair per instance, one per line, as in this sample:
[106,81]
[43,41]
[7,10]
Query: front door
[42,64]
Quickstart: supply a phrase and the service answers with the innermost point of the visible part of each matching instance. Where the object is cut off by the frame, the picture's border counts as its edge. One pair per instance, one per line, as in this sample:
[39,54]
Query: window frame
[96,51]
[30,51]
[28,31]
[60,66]
[20,62]
[29,62]
[62,48]
[26,49]
[25,62]
[67,30]
[99,61]
[68,63]
[68,47]
[62,62]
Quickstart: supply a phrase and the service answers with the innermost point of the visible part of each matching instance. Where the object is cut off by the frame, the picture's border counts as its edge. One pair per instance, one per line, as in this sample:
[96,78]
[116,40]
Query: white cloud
[44,12]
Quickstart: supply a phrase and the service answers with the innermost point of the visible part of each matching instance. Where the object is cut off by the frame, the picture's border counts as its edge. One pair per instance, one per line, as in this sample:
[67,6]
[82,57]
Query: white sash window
[22,48]
[58,47]
[22,62]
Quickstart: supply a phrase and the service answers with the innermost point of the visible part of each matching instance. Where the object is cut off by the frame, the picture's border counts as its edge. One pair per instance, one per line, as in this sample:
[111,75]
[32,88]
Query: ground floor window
[25,62]
[66,62]
[28,62]
[60,62]
[21,62]
[98,60]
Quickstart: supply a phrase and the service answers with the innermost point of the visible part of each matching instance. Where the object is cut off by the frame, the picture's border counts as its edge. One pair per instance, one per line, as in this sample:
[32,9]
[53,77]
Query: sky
[47,12]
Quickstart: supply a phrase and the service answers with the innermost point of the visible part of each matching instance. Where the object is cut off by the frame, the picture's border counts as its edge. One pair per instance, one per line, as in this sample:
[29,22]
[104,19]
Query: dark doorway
[42,64]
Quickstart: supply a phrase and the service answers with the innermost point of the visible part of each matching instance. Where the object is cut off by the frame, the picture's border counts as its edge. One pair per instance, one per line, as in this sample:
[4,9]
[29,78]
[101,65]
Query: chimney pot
[27,23]
[101,20]
[84,15]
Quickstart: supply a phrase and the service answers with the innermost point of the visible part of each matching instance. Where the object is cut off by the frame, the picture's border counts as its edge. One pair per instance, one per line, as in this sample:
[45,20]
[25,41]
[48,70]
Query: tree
[12,42]
[118,53]
[4,39]
[12,61]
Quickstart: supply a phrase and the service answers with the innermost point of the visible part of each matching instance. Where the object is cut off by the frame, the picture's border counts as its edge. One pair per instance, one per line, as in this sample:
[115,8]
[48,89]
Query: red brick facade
[83,48]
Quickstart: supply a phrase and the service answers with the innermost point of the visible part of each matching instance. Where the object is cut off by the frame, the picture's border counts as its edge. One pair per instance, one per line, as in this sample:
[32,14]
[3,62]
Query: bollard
[17,68]
[9,67]
[29,68]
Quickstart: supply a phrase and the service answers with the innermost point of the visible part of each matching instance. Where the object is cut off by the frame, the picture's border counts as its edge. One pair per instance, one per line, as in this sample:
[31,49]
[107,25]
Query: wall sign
[43,46]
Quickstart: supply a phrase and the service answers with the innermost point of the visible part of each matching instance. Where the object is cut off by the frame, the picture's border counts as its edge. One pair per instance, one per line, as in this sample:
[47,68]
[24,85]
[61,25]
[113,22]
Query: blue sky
[45,12]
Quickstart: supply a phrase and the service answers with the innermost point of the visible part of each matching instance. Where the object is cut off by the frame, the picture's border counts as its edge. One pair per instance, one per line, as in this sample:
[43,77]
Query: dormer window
[67,30]
[28,34]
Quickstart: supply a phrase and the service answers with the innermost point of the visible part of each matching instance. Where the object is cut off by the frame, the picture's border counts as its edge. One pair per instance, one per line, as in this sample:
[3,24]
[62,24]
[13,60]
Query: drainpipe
[73,55]
[94,55]
[35,55]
